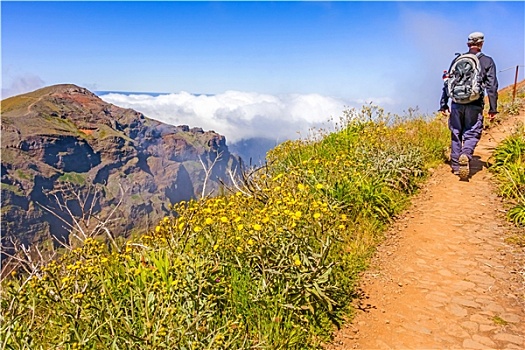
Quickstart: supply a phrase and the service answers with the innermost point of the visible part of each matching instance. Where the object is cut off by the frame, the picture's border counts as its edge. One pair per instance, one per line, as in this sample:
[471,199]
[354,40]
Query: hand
[445,112]
[492,116]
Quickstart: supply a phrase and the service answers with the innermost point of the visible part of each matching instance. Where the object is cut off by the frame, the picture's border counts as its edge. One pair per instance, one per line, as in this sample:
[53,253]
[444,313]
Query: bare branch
[207,171]
[234,182]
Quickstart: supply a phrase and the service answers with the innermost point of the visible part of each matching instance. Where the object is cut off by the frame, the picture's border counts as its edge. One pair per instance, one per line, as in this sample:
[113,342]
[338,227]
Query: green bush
[509,168]
[271,265]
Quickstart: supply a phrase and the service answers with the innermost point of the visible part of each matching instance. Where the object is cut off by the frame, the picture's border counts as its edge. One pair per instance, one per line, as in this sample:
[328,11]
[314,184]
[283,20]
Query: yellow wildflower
[208,221]
[278,177]
[257,227]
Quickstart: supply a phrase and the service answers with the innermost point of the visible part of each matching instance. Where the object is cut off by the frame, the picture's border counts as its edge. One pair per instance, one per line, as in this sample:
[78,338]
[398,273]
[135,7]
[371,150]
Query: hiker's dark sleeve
[443,103]
[492,87]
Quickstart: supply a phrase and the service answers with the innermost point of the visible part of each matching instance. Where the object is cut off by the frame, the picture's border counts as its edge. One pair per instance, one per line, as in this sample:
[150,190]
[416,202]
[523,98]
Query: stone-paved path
[445,278]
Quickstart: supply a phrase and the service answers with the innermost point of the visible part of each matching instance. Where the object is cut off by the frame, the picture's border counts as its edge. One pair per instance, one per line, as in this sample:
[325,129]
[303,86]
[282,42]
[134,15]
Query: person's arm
[491,86]
[443,103]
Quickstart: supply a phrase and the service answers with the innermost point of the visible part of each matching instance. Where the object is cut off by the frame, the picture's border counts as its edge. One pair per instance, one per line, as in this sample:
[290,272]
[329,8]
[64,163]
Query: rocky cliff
[67,152]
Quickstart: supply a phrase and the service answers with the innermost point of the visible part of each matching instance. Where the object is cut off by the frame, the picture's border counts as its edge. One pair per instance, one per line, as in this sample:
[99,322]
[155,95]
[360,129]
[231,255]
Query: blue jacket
[489,81]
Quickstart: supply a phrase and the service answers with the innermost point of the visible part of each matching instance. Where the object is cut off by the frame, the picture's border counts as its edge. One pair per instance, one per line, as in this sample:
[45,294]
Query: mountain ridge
[64,136]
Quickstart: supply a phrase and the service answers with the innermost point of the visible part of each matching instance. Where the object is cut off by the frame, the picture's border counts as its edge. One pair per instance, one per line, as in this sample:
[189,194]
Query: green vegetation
[25,175]
[509,107]
[62,125]
[508,160]
[17,102]
[15,189]
[509,168]
[272,264]
[105,131]
[499,321]
[73,177]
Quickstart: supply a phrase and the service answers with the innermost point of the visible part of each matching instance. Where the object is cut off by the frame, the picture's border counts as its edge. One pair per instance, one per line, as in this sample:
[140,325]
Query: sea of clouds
[239,115]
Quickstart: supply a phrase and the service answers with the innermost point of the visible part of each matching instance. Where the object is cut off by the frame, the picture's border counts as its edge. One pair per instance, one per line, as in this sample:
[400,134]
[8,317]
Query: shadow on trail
[477,165]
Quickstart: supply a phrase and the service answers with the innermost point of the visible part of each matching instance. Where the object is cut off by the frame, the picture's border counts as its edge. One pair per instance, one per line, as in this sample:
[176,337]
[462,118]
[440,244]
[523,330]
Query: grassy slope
[509,161]
[272,265]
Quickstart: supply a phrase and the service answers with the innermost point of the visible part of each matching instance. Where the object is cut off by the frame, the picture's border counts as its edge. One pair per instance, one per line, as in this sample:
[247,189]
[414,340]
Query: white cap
[476,37]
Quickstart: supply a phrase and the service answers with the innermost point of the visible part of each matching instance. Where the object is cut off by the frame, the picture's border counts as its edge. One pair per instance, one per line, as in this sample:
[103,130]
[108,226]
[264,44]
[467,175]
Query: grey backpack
[464,78]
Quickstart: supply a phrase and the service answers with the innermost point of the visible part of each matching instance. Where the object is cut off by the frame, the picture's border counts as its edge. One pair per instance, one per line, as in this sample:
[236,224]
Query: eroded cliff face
[62,143]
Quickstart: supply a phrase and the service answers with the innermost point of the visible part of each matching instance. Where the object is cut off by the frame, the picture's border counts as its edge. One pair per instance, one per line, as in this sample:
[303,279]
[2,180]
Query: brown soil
[87,131]
[445,278]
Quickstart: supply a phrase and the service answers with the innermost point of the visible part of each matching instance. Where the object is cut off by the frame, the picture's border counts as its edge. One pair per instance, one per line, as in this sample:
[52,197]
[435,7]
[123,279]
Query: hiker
[469,76]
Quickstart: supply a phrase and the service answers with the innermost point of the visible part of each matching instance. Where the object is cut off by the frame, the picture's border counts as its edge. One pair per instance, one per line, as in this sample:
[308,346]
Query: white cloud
[238,115]
[20,84]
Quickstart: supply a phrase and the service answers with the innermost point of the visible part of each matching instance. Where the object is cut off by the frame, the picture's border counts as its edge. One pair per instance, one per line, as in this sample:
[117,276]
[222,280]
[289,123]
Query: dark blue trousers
[465,124]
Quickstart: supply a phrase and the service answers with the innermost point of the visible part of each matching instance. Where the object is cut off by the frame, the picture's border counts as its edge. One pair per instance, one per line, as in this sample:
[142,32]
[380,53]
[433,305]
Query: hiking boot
[464,170]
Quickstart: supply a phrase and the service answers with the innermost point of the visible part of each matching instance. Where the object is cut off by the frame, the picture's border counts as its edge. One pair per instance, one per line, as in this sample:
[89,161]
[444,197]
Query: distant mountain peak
[66,134]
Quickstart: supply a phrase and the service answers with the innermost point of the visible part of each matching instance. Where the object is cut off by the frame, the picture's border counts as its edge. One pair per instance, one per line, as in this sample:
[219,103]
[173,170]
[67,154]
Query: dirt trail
[445,278]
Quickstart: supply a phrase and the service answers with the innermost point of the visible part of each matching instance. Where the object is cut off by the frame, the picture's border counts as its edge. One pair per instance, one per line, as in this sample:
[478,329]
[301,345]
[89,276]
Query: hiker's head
[476,39]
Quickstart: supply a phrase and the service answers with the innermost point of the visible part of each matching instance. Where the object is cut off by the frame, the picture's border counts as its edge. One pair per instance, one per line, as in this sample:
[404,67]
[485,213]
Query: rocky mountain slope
[67,152]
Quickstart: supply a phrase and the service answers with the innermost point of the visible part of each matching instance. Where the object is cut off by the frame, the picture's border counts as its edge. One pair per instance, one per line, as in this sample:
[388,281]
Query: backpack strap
[457,54]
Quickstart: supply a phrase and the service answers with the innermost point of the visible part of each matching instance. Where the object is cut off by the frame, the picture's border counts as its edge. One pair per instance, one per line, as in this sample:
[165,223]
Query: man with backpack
[470,74]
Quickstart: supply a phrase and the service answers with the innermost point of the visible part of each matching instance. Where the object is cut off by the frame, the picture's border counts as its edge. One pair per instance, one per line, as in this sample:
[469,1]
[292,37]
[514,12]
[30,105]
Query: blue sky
[391,53]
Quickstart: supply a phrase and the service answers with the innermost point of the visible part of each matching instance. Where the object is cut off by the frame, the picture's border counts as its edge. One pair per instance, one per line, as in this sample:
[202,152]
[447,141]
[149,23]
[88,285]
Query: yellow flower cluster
[290,229]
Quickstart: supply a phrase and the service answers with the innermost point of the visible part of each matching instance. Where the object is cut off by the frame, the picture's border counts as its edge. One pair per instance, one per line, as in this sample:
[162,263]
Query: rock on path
[445,278]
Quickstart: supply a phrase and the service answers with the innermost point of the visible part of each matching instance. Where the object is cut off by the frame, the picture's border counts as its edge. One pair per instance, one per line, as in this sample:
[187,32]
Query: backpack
[464,79]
